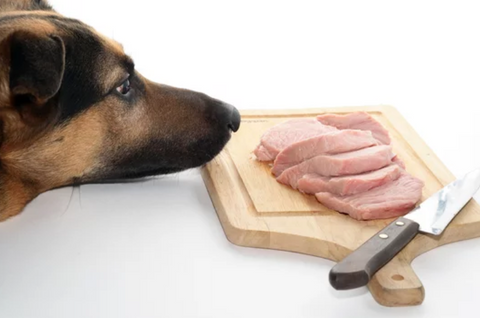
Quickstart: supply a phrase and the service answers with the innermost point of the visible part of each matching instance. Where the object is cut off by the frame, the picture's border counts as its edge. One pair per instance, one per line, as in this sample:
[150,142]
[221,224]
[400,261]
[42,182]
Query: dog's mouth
[161,157]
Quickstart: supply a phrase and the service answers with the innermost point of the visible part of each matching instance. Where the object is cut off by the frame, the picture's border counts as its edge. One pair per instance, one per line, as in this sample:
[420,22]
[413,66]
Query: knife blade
[432,216]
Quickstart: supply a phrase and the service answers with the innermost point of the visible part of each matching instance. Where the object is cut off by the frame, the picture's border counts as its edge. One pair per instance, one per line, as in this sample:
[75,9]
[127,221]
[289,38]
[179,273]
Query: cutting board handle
[358,267]
[396,284]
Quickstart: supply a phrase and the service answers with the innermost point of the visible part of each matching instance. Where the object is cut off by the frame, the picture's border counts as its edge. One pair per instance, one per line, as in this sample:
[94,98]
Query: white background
[156,248]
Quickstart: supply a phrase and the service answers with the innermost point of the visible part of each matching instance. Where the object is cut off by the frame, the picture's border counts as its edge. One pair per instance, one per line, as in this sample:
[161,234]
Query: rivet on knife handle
[358,267]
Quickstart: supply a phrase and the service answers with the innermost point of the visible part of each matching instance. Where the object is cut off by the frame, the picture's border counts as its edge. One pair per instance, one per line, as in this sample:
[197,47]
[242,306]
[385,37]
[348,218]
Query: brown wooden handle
[358,267]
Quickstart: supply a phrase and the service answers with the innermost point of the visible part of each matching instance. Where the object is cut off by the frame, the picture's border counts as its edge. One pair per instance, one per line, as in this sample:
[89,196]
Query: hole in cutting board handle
[398,277]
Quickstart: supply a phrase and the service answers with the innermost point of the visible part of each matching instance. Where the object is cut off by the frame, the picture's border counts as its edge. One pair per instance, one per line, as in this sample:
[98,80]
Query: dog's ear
[37,64]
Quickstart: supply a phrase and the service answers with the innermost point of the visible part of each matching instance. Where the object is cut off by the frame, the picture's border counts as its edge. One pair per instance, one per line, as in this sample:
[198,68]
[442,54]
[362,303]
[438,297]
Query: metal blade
[435,213]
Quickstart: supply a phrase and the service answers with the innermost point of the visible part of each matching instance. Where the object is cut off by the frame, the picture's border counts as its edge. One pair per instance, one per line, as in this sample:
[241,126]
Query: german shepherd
[74,110]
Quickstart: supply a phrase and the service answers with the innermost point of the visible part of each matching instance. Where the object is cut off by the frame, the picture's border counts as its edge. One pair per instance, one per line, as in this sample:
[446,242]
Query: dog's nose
[230,114]
[223,114]
[235,119]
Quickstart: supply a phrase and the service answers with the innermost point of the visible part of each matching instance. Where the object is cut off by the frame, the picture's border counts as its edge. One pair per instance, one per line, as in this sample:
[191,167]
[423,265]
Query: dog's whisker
[80,197]
[69,201]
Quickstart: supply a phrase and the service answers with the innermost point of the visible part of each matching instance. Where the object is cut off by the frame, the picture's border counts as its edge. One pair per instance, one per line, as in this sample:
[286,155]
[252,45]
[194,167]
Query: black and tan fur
[67,117]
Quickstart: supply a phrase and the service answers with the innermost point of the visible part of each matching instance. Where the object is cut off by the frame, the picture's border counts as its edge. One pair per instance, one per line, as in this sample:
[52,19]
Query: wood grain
[256,211]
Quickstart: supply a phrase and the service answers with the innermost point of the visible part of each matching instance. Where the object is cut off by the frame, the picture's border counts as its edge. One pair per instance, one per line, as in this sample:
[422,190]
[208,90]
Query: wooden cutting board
[256,211]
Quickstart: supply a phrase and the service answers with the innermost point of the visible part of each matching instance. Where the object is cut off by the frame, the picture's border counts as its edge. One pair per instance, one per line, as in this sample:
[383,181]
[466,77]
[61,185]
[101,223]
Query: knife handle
[358,267]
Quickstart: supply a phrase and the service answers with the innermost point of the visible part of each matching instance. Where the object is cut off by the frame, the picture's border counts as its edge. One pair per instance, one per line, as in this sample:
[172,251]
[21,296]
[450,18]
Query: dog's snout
[235,119]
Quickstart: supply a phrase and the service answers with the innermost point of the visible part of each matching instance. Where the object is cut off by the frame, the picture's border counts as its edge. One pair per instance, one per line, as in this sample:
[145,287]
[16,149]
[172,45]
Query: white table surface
[156,248]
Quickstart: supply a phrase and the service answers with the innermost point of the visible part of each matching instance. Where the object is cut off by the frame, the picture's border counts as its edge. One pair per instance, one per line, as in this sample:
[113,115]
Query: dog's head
[73,109]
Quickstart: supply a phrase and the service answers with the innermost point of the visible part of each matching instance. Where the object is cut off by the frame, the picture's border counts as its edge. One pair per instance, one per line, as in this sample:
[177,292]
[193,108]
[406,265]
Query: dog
[74,110]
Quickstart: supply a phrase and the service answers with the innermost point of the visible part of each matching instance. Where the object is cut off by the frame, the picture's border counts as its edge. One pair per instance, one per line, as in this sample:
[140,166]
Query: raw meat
[330,143]
[390,200]
[347,163]
[283,135]
[398,161]
[348,185]
[357,120]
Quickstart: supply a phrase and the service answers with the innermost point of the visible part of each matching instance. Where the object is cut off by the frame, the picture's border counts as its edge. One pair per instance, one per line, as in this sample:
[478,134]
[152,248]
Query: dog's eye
[124,88]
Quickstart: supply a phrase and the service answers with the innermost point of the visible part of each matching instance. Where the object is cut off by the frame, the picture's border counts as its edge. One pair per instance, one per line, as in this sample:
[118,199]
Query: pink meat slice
[348,185]
[357,120]
[330,143]
[398,161]
[393,199]
[348,163]
[284,134]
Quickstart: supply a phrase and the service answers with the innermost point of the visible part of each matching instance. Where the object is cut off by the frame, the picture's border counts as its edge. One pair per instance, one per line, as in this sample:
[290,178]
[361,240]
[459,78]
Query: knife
[431,217]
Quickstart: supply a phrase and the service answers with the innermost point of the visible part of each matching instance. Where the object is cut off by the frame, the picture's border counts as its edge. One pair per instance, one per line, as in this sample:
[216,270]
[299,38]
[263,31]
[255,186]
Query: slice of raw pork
[284,134]
[389,200]
[347,163]
[348,185]
[357,120]
[329,143]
